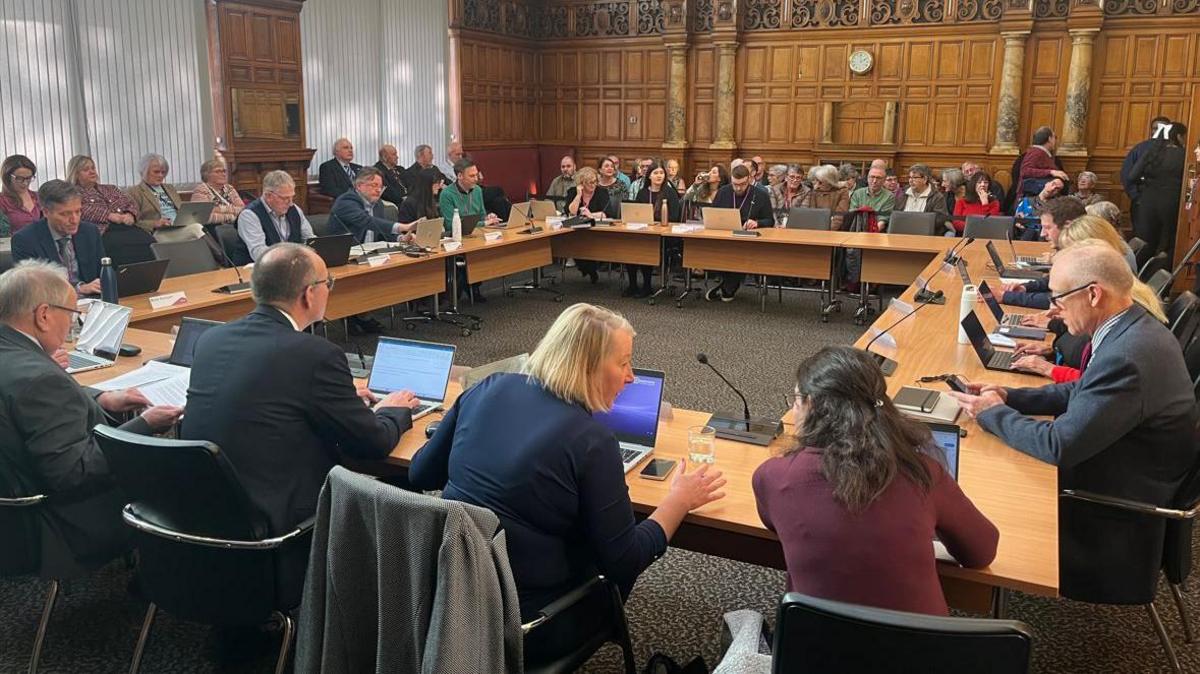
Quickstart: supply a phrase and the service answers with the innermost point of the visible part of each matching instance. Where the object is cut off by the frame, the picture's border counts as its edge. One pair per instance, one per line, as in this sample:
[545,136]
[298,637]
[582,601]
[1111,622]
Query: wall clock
[861,62]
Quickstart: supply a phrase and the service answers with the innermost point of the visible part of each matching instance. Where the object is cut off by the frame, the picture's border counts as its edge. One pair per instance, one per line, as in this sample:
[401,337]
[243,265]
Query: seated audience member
[788,194]
[1107,210]
[641,165]
[527,447]
[827,192]
[360,212]
[673,178]
[422,201]
[860,495]
[273,217]
[775,175]
[562,182]
[60,236]
[1122,430]
[280,402]
[761,175]
[704,190]
[454,154]
[424,159]
[18,203]
[158,202]
[396,180]
[608,178]
[953,186]
[754,204]
[875,198]
[996,192]
[466,195]
[1057,214]
[112,211]
[977,200]
[848,177]
[922,197]
[667,206]
[618,174]
[891,183]
[5,226]
[214,187]
[589,199]
[46,418]
[337,174]
[1029,209]
[1085,186]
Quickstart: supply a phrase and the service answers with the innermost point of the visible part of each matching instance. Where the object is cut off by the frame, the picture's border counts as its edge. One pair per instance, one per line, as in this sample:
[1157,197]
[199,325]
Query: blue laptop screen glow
[946,438]
[405,365]
[634,416]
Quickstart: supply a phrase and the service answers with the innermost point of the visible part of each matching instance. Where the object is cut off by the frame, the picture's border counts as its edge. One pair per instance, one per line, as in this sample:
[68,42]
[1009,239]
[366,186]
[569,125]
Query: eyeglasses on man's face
[76,315]
[1056,300]
[327,281]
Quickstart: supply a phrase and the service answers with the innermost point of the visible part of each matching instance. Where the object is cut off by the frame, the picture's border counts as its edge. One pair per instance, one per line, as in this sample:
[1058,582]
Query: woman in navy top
[527,447]
[857,501]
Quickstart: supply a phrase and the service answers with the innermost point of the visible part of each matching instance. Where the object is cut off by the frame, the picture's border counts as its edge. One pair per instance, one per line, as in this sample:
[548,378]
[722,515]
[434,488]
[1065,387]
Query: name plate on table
[636,225]
[686,228]
[168,300]
[555,222]
[886,339]
[378,260]
[451,246]
[492,237]
[901,307]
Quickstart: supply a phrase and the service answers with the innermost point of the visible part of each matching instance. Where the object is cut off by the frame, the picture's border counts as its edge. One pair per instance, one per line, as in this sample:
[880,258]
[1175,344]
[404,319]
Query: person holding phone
[526,447]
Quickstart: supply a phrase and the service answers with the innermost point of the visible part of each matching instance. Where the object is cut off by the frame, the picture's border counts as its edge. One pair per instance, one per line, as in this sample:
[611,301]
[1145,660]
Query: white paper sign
[168,300]
[685,229]
[451,246]
[378,260]
[901,307]
[636,225]
[887,339]
[492,237]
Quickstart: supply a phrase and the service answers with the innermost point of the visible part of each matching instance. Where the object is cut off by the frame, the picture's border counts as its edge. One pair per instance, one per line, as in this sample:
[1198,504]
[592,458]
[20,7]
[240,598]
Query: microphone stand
[754,431]
[534,283]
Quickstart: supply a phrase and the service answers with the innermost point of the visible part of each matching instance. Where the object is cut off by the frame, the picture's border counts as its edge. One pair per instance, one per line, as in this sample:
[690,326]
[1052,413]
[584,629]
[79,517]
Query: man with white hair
[1124,429]
[273,217]
[395,179]
[46,419]
[337,174]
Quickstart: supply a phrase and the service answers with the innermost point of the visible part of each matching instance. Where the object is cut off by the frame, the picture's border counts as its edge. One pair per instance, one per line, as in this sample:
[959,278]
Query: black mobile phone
[957,383]
[658,469]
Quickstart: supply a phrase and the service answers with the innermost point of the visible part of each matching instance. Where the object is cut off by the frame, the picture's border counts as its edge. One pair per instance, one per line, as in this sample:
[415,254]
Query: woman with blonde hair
[527,447]
[112,211]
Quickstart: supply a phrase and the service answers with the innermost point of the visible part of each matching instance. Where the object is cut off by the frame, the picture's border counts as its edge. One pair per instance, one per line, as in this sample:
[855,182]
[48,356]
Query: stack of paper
[161,383]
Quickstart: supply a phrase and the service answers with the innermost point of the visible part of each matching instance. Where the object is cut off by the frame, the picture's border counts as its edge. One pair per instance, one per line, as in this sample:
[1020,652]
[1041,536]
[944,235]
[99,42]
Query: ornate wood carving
[763,15]
[891,12]
[650,17]
[980,10]
[704,15]
[825,13]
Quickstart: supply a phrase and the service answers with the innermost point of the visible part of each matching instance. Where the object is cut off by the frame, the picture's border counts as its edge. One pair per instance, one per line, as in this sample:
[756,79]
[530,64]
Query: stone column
[1079,88]
[726,62]
[677,97]
[1008,117]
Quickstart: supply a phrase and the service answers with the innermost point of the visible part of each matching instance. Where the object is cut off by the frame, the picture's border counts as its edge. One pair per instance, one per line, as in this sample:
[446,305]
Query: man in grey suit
[46,420]
[1124,429]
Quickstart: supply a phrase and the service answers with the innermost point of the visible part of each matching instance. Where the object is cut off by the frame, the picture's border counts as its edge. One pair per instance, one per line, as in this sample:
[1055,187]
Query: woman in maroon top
[857,501]
[18,202]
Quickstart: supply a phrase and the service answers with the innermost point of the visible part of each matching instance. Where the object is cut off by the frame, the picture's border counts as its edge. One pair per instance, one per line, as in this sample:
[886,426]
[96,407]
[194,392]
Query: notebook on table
[411,365]
[633,418]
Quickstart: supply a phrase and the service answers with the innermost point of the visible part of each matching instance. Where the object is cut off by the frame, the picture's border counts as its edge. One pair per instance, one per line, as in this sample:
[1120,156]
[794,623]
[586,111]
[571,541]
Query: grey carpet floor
[677,605]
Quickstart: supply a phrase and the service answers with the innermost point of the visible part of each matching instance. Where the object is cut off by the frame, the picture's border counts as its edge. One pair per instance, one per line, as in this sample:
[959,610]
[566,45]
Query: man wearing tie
[360,211]
[754,203]
[61,237]
[1124,429]
[396,180]
[337,174]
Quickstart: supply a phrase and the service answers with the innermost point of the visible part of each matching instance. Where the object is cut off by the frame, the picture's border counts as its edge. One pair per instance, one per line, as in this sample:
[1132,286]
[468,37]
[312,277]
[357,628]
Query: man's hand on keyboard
[366,395]
[399,399]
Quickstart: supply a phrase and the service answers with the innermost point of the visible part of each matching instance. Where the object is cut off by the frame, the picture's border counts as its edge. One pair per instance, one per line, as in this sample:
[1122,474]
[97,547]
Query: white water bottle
[970,297]
[456,226]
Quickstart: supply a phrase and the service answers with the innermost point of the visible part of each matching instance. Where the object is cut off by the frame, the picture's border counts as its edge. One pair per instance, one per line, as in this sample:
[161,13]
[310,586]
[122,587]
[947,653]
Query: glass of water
[702,443]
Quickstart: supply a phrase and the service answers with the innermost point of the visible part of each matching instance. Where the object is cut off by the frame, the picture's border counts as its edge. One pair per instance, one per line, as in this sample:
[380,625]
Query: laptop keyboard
[423,408]
[1030,260]
[1011,319]
[75,361]
[1002,359]
[628,455]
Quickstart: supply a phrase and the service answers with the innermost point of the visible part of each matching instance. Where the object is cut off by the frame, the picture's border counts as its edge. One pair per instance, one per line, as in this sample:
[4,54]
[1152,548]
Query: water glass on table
[702,443]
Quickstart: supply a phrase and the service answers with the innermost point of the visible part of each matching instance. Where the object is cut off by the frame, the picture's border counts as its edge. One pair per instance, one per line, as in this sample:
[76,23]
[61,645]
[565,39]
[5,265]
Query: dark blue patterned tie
[66,255]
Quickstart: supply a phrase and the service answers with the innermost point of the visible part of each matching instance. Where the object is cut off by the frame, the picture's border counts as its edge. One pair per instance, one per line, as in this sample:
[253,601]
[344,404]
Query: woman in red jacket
[976,201]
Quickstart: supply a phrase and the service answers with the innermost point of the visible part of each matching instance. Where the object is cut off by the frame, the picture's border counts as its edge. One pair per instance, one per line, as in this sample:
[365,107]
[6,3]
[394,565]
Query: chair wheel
[824,318]
[679,305]
[558,298]
[410,326]
[466,332]
[651,301]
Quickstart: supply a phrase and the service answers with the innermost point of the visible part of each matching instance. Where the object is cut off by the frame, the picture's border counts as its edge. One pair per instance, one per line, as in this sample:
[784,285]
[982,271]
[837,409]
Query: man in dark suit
[337,174]
[1124,429]
[360,212]
[280,402]
[754,203]
[396,181]
[46,421]
[61,237]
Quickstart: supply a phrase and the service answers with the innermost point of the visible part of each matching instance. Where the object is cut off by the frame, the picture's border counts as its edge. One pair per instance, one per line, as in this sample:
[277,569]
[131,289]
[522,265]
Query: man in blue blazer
[337,174]
[61,237]
[360,210]
[1124,429]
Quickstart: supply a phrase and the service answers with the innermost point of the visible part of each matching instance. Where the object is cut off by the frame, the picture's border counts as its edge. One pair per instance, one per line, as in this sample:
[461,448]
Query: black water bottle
[108,281]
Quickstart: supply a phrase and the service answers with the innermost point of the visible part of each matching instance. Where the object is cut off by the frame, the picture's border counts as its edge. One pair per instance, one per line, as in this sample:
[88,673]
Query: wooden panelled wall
[568,77]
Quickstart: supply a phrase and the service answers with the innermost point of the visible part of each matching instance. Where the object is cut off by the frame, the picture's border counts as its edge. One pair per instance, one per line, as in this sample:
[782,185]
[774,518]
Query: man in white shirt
[274,217]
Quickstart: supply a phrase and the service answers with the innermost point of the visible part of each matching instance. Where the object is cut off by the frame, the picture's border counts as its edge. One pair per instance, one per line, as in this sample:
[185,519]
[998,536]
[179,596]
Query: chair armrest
[133,520]
[22,501]
[1130,505]
[560,605]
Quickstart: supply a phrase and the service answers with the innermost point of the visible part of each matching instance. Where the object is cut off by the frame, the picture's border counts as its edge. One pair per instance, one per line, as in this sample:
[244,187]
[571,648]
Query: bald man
[1124,429]
[396,180]
[337,174]
[565,179]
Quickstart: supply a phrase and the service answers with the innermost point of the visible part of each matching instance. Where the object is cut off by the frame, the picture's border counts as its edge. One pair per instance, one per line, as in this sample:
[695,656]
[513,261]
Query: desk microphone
[753,431]
[703,359]
[887,364]
[233,288]
[953,255]
[924,294]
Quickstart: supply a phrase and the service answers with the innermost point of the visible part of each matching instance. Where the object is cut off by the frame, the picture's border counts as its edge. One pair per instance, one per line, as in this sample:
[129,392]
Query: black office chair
[320,224]
[903,222]
[6,260]
[21,553]
[1191,357]
[235,249]
[205,553]
[1140,252]
[988,227]
[821,635]
[1157,263]
[1183,317]
[809,218]
[1160,282]
[598,602]
[187,257]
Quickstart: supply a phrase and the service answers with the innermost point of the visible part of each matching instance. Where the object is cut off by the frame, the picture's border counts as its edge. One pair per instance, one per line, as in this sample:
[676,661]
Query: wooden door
[1189,221]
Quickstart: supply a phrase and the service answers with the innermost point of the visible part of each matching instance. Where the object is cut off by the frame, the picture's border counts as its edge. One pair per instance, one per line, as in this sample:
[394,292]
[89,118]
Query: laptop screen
[634,416]
[979,338]
[985,291]
[945,446]
[963,273]
[190,330]
[996,261]
[409,365]
[103,328]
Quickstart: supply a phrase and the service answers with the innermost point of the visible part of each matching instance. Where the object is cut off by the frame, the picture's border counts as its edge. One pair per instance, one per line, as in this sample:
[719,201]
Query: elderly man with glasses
[874,196]
[274,217]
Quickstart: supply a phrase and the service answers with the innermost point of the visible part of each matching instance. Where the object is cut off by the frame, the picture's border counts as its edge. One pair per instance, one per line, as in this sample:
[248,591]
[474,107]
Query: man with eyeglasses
[874,197]
[46,421]
[1124,429]
[273,217]
[61,236]
[280,402]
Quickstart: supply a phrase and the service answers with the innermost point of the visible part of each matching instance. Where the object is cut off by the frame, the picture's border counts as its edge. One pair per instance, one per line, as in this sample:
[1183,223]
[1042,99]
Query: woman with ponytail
[859,498]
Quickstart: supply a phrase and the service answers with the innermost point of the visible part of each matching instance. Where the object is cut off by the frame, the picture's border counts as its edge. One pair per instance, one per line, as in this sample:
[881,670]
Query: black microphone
[924,294]
[533,228]
[887,364]
[703,359]
[233,288]
[954,253]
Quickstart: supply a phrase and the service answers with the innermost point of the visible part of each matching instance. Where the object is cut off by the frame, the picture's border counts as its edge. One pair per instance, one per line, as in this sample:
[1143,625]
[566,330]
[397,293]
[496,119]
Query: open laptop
[469,223]
[429,233]
[963,274]
[190,330]
[410,365]
[945,446]
[99,338]
[988,355]
[634,416]
[634,211]
[1010,272]
[1035,262]
[1010,324]
[333,249]
[192,213]
[541,210]
[139,278]
[728,219]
